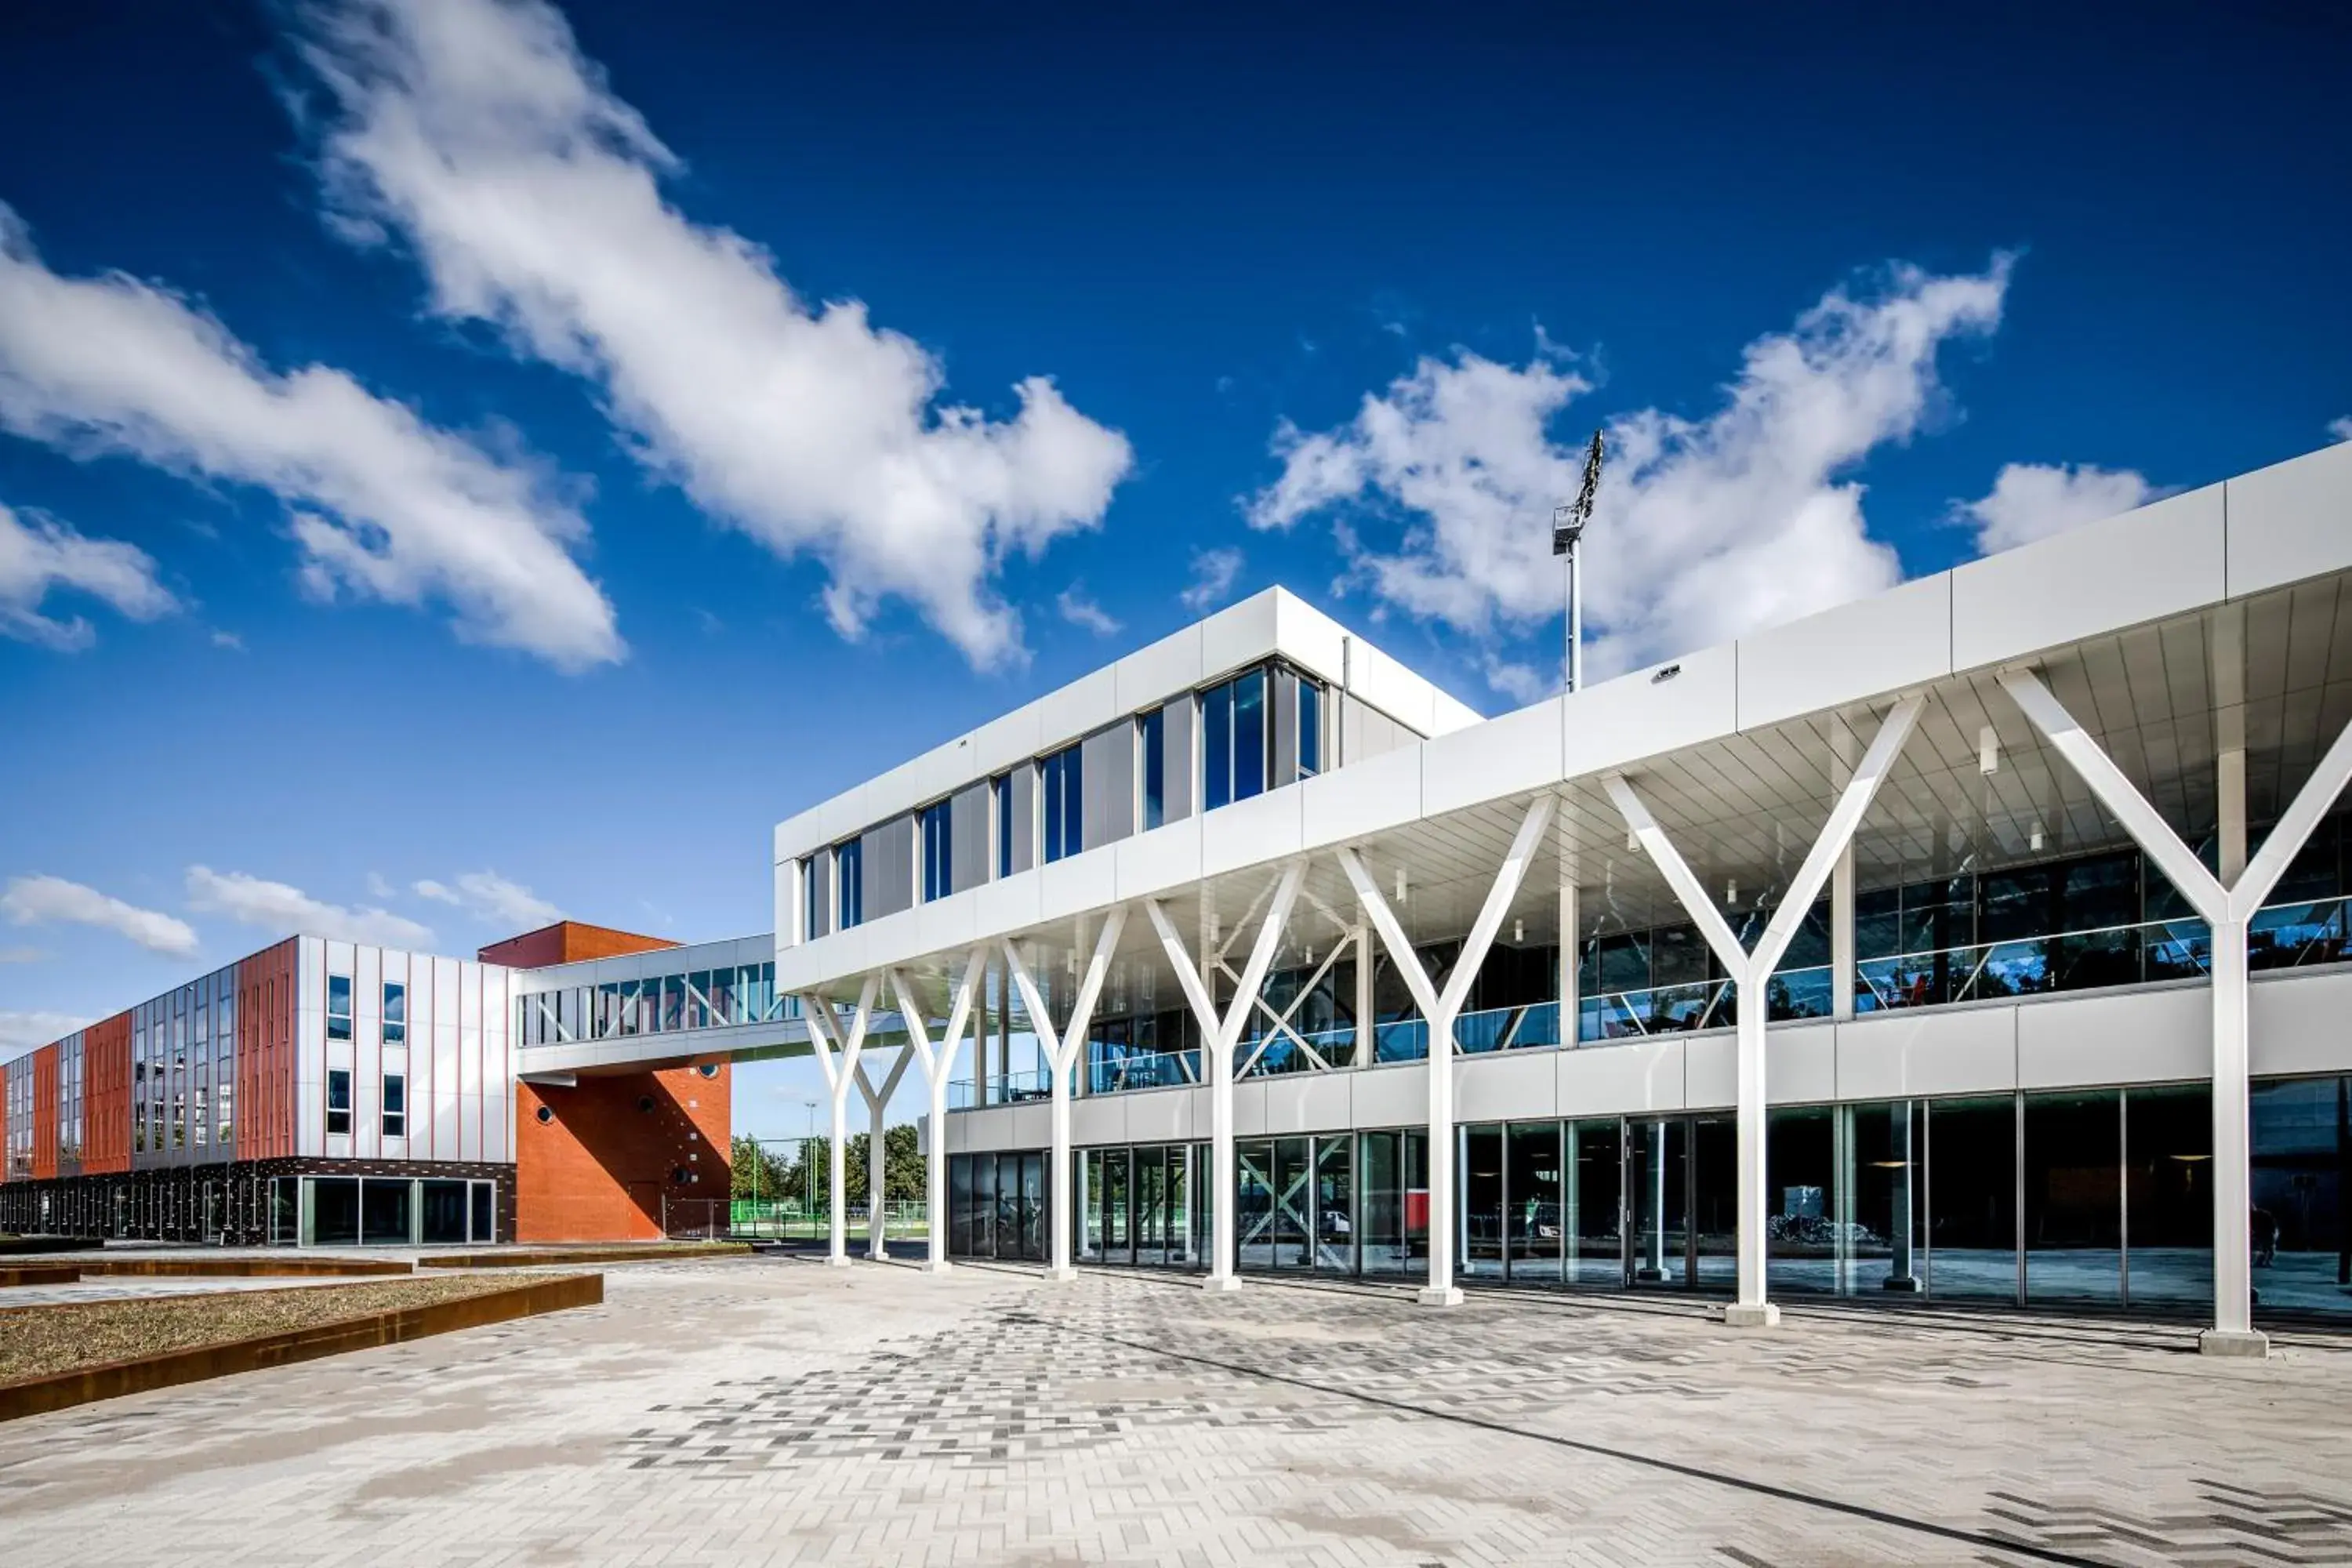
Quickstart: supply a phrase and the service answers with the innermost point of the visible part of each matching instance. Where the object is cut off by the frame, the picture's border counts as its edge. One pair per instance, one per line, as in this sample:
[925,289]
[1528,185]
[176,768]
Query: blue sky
[519,453]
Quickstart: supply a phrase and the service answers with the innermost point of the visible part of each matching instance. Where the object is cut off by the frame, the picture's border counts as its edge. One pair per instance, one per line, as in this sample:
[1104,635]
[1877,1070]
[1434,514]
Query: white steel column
[877,1106]
[1367,1022]
[938,1067]
[1571,952]
[1441,1009]
[1061,1055]
[1841,969]
[1751,971]
[1220,1032]
[836,1056]
[2228,908]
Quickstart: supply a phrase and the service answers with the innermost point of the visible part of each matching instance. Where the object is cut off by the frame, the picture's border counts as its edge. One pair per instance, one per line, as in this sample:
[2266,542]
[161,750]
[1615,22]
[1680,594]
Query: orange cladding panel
[567,942]
[597,1167]
[106,1096]
[265,1053]
[45,1113]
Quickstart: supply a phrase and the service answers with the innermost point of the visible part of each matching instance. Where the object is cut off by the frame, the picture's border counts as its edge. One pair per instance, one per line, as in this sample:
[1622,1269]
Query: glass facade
[1235,740]
[997,1208]
[1151,746]
[1061,792]
[849,884]
[938,841]
[2084,1199]
[381,1211]
[694,999]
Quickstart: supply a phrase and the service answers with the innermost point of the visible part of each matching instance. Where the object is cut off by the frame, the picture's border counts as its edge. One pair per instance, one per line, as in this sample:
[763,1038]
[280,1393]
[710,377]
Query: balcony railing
[2282,936]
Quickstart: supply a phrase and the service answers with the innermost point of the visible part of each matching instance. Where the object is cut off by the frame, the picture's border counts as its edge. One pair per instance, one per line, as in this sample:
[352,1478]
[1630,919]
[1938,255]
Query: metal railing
[2281,936]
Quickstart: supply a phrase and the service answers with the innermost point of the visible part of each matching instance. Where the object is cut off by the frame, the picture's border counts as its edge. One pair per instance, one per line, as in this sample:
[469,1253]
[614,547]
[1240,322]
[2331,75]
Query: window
[1151,734]
[339,1008]
[1310,727]
[1059,779]
[812,895]
[396,1105]
[849,870]
[939,869]
[1001,791]
[1234,740]
[339,1102]
[395,1013]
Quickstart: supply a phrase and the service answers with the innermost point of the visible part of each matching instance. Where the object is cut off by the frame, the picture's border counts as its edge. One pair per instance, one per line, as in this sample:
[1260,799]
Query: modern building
[1982,940]
[323,1092]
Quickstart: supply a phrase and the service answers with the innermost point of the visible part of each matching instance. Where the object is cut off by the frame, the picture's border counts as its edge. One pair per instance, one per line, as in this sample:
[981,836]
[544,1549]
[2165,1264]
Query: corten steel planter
[649,1252]
[40,1274]
[249,1268]
[83,1385]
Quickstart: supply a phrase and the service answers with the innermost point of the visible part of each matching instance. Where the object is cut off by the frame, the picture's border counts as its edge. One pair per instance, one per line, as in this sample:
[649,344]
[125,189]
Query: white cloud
[381,504]
[1522,683]
[488,896]
[21,1032]
[37,556]
[228,640]
[1705,529]
[380,888]
[2340,429]
[22,954]
[1081,611]
[532,197]
[288,911]
[53,901]
[2033,500]
[1214,571]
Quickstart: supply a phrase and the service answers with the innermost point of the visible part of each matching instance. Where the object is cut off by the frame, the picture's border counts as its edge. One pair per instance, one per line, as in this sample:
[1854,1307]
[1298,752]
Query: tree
[902,1168]
[759,1173]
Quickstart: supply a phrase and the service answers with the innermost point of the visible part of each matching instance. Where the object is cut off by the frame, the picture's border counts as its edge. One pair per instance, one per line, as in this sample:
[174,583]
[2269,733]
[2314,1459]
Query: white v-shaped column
[1441,1009]
[877,1104]
[938,1067]
[1061,1055]
[1751,971]
[1220,1032]
[2228,908]
[837,1058]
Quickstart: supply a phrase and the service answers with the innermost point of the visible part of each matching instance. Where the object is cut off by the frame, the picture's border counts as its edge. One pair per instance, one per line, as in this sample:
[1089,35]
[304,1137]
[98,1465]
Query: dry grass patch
[41,1341]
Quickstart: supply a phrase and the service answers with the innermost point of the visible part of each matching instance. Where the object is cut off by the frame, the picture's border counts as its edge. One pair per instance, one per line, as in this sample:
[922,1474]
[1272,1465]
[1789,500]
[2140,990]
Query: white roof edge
[1273,621]
[2286,524]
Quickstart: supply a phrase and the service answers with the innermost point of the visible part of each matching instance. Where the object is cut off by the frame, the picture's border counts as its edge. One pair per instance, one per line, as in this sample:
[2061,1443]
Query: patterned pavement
[769,1410]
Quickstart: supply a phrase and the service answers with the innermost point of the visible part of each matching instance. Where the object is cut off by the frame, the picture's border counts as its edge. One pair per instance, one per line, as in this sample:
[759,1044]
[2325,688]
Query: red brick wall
[567,942]
[599,1169]
[45,1113]
[106,1096]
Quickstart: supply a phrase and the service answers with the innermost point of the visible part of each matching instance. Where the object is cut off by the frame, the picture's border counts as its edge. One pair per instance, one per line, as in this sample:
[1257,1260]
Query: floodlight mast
[1567,534]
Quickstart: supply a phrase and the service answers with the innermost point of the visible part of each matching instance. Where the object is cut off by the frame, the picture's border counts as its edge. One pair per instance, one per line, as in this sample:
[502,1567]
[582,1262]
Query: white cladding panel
[2145,1037]
[2159,561]
[1145,678]
[1808,665]
[2290,520]
[1503,756]
[1361,797]
[1651,712]
[1894,1056]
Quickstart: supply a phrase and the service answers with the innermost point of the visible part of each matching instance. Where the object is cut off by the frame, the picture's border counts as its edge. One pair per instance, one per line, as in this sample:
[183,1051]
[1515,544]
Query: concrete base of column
[930,1268]
[837,1260]
[2228,1342]
[1907,1284]
[1449,1297]
[1062,1276]
[1219,1284]
[1763,1316]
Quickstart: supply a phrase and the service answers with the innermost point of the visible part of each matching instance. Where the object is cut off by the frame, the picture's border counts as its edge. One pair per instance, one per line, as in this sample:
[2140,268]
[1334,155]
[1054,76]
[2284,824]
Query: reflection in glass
[2302,1231]
[1335,1205]
[1596,1213]
[1715,1202]
[2168,1196]
[1656,1168]
[1801,1235]
[1531,1182]
[1972,1197]
[2074,1197]
[1479,1249]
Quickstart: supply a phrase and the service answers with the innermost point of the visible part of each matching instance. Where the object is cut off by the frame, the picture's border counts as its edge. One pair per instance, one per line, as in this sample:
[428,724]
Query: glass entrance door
[1151,1206]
